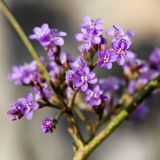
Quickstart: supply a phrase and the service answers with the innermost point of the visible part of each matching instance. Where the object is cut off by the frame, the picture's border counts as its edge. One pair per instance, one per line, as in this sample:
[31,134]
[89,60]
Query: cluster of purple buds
[69,76]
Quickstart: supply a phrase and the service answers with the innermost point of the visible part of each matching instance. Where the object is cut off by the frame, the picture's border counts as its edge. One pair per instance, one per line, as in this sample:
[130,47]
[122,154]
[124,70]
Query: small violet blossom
[111,84]
[48,125]
[106,58]
[84,77]
[94,97]
[23,107]
[119,33]
[120,48]
[15,110]
[29,106]
[91,32]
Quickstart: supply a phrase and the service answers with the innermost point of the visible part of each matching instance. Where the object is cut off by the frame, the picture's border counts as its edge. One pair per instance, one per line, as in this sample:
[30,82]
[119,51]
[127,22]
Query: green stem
[59,116]
[23,37]
[83,153]
[75,131]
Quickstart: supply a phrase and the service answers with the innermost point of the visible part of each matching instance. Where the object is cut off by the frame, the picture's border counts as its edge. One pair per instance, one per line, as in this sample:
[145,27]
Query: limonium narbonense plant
[71,85]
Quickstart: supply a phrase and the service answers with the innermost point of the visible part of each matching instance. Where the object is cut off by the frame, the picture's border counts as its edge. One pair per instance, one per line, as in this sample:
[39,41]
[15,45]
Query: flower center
[106,59]
[84,79]
[29,105]
[120,51]
[94,95]
[48,123]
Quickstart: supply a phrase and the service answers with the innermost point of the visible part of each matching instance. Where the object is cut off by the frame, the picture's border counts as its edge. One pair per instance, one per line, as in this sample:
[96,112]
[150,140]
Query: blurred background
[23,140]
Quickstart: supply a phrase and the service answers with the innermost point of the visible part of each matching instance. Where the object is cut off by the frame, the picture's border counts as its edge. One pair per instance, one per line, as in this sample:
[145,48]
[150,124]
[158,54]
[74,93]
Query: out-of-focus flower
[24,74]
[141,112]
[155,58]
[118,33]
[135,67]
[94,96]
[42,91]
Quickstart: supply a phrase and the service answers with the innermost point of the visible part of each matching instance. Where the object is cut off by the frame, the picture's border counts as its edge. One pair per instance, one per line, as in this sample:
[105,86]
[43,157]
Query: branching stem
[82,154]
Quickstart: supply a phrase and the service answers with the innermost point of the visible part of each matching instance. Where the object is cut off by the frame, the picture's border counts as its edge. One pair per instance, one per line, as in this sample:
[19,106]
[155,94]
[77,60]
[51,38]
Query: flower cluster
[75,77]
[50,38]
[24,74]
[91,33]
[23,107]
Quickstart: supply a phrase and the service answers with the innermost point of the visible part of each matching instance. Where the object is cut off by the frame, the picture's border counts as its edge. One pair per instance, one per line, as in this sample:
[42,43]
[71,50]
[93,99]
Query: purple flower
[138,73]
[106,58]
[118,33]
[80,75]
[49,38]
[23,106]
[94,97]
[155,58]
[143,79]
[110,84]
[141,112]
[121,49]
[29,105]
[91,32]
[16,110]
[48,125]
[110,87]
[133,68]
[84,77]
[41,34]
[24,74]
